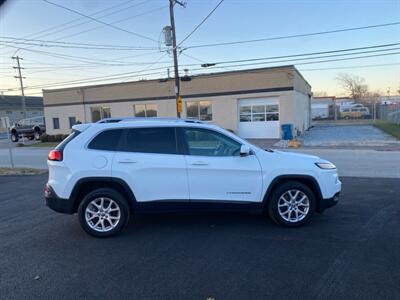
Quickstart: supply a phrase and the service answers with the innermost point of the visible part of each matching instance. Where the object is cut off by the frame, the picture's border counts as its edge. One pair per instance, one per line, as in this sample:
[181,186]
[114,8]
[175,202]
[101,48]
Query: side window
[106,140]
[203,142]
[151,140]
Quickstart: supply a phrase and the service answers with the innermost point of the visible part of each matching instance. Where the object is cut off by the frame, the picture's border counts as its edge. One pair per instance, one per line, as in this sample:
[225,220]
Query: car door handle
[127,161]
[199,163]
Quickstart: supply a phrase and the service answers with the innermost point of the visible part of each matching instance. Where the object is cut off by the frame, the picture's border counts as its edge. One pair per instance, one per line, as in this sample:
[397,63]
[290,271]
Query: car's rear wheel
[291,204]
[103,212]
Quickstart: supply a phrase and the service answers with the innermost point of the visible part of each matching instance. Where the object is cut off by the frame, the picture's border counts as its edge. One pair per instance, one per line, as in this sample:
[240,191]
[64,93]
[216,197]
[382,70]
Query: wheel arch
[307,180]
[85,185]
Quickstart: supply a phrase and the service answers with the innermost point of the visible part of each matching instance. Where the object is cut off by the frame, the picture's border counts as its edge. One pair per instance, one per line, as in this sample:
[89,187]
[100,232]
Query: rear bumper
[326,203]
[56,203]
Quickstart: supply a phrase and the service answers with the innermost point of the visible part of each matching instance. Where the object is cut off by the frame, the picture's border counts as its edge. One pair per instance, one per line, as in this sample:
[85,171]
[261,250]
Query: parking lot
[349,136]
[352,251]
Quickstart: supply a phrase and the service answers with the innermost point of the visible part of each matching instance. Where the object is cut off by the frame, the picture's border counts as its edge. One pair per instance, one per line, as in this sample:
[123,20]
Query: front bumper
[56,203]
[326,203]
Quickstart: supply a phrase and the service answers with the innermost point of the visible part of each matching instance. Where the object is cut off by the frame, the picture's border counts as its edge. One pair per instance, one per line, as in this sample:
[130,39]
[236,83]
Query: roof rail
[143,119]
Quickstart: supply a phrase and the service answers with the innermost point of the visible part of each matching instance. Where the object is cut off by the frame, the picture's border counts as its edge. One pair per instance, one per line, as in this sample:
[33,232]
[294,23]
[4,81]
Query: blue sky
[232,21]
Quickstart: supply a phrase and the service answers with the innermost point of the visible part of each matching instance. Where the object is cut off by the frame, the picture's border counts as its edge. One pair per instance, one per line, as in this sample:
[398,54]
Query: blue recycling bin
[287,131]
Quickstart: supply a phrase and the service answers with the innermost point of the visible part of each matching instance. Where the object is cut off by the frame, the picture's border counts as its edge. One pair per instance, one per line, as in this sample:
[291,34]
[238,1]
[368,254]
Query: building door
[259,118]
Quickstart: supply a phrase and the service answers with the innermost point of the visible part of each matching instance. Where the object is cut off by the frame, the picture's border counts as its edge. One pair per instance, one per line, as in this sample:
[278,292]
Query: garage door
[259,118]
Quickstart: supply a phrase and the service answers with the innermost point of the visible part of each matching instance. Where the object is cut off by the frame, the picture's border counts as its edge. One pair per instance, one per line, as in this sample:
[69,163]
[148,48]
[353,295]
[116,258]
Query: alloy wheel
[293,205]
[102,214]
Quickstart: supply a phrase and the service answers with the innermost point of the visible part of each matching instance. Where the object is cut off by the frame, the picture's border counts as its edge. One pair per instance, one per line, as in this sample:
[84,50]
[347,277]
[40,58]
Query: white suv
[108,170]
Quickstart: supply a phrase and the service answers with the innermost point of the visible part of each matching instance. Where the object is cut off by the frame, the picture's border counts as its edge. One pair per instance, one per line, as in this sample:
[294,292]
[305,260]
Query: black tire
[14,137]
[110,194]
[282,190]
[36,135]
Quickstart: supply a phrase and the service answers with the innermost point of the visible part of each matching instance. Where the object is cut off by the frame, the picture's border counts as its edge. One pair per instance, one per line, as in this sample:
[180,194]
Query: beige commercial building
[252,103]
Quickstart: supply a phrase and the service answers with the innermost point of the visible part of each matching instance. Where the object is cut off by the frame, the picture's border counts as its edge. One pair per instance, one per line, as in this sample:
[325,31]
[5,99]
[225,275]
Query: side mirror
[244,150]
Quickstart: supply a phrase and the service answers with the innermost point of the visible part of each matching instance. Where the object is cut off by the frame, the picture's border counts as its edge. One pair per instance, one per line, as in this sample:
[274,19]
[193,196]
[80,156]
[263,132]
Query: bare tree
[354,85]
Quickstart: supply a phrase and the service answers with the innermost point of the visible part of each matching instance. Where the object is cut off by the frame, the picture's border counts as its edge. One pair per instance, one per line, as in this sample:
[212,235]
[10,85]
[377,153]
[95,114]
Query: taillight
[56,155]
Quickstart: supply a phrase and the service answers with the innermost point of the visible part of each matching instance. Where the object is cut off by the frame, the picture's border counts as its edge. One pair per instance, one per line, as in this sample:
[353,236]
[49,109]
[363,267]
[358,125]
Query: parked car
[31,128]
[355,113]
[110,170]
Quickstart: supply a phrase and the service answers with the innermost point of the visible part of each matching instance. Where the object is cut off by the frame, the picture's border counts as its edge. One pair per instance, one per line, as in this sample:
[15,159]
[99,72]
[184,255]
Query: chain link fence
[390,112]
[355,111]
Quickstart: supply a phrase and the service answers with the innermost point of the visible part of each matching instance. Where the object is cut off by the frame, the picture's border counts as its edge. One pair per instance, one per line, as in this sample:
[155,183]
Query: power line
[98,78]
[81,18]
[75,47]
[130,74]
[51,29]
[293,36]
[109,13]
[202,22]
[70,57]
[73,21]
[314,53]
[306,63]
[101,22]
[200,60]
[150,65]
[114,22]
[44,43]
[351,67]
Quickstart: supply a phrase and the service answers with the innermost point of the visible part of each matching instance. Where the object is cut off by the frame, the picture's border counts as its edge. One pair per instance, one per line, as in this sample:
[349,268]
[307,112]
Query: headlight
[325,165]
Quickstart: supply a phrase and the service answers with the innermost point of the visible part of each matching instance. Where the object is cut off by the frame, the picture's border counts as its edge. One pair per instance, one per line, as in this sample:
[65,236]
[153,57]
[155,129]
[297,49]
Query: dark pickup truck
[31,128]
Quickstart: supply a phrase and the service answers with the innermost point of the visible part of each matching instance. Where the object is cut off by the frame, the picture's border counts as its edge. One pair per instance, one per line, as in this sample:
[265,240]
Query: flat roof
[163,79]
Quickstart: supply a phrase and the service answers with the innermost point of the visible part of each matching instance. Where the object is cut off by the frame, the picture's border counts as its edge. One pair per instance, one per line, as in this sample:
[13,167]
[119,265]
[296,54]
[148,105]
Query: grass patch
[43,144]
[20,171]
[390,128]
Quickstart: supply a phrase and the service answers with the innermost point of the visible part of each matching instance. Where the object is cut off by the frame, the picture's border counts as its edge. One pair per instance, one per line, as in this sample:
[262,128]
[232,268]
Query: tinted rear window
[69,138]
[151,140]
[106,140]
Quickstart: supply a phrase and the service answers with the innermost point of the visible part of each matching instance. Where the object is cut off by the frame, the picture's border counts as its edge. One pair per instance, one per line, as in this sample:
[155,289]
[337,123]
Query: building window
[201,110]
[56,123]
[9,112]
[145,110]
[72,121]
[100,112]
[259,113]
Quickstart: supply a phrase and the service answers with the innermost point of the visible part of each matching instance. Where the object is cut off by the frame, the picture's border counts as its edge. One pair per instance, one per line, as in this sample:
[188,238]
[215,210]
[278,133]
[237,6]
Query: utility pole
[21,83]
[175,54]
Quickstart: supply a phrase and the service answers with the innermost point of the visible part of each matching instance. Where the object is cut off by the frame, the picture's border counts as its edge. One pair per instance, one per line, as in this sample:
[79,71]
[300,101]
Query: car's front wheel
[291,204]
[14,137]
[103,212]
[37,135]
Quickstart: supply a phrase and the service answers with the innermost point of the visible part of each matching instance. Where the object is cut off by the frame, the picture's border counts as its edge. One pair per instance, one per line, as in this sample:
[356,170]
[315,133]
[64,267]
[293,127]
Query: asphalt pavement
[361,162]
[350,251]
